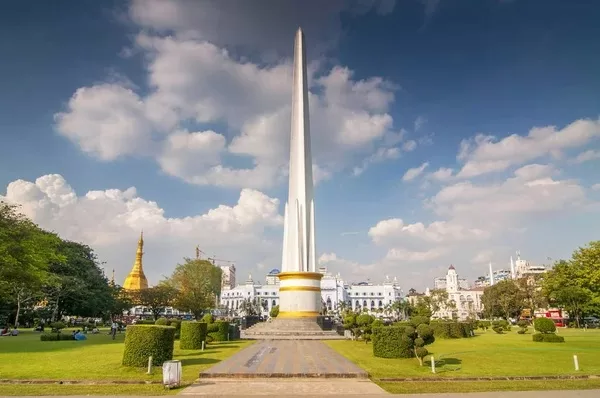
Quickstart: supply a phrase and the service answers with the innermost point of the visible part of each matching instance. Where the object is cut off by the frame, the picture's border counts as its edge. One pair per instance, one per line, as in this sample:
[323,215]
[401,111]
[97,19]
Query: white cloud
[483,154]
[586,156]
[110,222]
[596,187]
[442,174]
[197,82]
[413,173]
[394,230]
[107,121]
[404,255]
[350,270]
[529,193]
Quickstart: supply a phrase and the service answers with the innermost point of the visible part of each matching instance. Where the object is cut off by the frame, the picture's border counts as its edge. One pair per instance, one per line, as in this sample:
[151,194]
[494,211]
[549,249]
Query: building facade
[335,294]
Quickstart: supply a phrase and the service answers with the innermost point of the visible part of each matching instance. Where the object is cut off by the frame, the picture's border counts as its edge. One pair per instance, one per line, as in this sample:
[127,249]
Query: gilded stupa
[136,280]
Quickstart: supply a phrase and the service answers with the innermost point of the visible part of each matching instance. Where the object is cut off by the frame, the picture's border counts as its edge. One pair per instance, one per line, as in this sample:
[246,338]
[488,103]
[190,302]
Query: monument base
[304,328]
[299,295]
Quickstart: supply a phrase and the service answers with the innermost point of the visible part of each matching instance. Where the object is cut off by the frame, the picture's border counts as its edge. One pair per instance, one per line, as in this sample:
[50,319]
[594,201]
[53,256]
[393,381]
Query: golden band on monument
[299,289]
[298,314]
[315,276]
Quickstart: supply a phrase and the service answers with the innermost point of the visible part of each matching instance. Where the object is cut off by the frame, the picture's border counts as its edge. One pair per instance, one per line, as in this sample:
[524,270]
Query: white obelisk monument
[300,285]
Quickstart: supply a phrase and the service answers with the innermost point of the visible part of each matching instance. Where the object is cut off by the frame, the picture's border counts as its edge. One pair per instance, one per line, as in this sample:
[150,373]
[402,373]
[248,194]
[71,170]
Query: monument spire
[136,280]
[300,284]
[299,229]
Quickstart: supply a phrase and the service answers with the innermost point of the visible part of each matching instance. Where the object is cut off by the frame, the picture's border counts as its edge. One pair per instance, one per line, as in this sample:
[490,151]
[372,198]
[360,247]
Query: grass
[98,358]
[486,355]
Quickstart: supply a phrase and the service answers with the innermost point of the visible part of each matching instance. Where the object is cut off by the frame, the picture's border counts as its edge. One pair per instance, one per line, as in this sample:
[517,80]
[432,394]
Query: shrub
[451,330]
[143,341]
[498,329]
[208,318]
[57,325]
[544,325]
[192,335]
[274,312]
[220,331]
[391,342]
[144,322]
[548,338]
[402,341]
[56,337]
[176,323]
[162,322]
[484,325]
[522,331]
[522,323]
[417,320]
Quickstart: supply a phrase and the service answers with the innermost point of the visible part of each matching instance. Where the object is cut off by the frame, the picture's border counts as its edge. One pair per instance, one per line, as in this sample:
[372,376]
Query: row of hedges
[56,337]
[451,330]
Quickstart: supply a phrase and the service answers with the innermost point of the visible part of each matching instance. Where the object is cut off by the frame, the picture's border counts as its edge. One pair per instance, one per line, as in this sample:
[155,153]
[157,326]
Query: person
[79,336]
[113,329]
[95,330]
[5,332]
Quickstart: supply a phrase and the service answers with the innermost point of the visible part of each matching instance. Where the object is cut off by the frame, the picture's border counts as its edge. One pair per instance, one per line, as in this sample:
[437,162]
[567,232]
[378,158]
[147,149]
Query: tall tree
[504,299]
[79,286]
[198,283]
[156,298]
[25,254]
[574,299]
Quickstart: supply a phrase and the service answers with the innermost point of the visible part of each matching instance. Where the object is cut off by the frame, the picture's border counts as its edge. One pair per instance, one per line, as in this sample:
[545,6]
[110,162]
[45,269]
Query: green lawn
[98,358]
[486,355]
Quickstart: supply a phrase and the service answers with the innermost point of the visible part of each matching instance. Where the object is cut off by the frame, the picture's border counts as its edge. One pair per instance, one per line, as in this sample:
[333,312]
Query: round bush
[162,322]
[143,341]
[192,335]
[544,325]
[208,318]
[417,320]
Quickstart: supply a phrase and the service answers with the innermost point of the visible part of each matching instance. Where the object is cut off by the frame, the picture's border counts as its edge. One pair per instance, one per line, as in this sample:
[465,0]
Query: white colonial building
[466,302]
[335,294]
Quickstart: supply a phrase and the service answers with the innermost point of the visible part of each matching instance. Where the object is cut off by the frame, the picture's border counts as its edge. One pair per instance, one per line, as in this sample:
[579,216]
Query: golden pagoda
[136,280]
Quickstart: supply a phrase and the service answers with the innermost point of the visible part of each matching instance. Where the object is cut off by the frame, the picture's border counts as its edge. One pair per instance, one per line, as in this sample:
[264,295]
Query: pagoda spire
[136,280]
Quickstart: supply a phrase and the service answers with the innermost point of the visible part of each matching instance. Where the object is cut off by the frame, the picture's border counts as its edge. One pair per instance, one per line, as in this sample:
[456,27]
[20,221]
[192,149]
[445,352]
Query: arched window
[274,303]
[364,303]
[380,303]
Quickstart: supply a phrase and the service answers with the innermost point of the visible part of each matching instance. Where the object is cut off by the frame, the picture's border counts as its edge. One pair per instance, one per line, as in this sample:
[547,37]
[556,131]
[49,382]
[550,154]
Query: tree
[574,299]
[504,299]
[198,284]
[78,285]
[156,298]
[422,307]
[120,301]
[400,308]
[274,312]
[249,307]
[25,254]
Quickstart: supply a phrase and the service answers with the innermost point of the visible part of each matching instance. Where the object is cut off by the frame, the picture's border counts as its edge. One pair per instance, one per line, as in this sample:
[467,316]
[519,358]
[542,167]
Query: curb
[505,378]
[80,382]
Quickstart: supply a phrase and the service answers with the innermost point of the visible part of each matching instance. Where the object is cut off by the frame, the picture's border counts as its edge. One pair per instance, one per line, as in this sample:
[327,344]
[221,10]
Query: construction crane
[212,259]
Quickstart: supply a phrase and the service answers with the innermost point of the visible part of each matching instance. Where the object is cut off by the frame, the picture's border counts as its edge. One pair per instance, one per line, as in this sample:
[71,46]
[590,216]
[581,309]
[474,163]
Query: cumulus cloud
[586,156]
[195,82]
[413,173]
[395,230]
[483,154]
[111,220]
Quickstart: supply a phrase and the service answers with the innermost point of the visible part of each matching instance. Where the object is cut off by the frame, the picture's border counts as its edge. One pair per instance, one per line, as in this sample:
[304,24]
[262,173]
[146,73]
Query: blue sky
[175,99]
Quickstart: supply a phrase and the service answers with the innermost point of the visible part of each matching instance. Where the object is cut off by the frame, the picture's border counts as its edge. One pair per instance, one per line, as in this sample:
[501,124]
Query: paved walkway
[284,387]
[285,359]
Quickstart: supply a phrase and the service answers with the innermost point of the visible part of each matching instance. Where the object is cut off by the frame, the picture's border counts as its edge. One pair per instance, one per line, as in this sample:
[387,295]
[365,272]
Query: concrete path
[284,387]
[285,359]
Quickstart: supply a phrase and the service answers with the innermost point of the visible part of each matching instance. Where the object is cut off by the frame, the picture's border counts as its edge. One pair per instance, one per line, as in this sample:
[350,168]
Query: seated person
[15,332]
[79,336]
[4,332]
[95,330]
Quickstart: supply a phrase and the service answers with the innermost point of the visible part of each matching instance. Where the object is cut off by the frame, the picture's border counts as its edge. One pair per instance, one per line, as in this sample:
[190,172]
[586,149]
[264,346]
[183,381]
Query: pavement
[285,359]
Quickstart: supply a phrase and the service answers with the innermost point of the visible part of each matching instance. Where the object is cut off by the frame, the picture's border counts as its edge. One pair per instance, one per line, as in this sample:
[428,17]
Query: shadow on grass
[29,341]
[445,364]
[198,361]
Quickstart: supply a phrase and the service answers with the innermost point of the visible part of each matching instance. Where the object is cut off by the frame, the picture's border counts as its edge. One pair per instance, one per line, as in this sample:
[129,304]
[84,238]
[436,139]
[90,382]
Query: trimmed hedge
[192,335]
[143,341]
[218,331]
[145,322]
[56,337]
[162,322]
[451,330]
[548,338]
[392,342]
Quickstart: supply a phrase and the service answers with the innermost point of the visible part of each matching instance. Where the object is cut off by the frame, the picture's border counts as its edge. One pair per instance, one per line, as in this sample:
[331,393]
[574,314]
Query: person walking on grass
[113,329]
